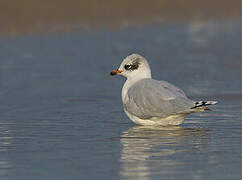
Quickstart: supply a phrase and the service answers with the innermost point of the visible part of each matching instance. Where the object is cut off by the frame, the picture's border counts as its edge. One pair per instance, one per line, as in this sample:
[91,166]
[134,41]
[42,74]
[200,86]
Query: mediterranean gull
[150,102]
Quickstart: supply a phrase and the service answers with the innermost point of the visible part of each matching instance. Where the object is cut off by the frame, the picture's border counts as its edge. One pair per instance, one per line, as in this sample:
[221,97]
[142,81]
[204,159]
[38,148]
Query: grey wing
[150,98]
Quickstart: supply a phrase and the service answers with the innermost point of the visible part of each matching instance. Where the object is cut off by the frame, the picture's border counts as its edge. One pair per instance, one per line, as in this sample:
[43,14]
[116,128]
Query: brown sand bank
[34,16]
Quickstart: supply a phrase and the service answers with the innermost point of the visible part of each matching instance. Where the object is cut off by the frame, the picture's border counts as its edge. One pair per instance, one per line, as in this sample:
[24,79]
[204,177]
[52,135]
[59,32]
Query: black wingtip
[203,104]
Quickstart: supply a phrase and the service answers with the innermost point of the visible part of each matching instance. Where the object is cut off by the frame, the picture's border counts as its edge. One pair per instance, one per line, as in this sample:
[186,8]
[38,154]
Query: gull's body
[150,102]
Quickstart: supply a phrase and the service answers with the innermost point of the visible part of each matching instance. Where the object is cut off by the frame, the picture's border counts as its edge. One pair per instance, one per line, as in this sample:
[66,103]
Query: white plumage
[150,102]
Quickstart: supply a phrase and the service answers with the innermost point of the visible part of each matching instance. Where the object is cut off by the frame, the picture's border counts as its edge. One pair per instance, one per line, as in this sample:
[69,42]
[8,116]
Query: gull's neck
[132,80]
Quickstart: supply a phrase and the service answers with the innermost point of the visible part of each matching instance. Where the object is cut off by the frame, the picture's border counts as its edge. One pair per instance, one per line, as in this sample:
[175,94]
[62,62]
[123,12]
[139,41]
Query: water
[61,114]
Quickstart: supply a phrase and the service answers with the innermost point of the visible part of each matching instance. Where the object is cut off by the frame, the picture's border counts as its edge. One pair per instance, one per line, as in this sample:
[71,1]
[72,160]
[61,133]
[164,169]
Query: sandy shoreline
[30,17]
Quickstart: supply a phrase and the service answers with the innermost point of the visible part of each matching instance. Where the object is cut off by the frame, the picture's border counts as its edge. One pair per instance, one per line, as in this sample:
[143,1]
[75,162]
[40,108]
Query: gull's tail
[203,104]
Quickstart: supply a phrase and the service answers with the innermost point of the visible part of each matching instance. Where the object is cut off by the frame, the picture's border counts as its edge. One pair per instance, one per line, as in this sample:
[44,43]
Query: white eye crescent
[128,66]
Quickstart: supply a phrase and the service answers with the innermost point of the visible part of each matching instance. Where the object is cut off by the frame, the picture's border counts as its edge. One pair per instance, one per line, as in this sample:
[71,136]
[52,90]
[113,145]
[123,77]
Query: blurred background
[33,17]
[61,114]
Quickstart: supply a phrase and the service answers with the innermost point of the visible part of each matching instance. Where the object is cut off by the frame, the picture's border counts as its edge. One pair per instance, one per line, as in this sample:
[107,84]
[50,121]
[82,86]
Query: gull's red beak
[115,72]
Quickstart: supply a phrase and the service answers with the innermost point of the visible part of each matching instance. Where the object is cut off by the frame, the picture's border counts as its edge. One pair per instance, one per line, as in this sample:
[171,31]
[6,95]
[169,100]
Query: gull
[151,102]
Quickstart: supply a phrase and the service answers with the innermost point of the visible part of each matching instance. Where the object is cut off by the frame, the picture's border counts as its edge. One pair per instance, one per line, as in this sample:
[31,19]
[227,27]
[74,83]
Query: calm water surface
[61,114]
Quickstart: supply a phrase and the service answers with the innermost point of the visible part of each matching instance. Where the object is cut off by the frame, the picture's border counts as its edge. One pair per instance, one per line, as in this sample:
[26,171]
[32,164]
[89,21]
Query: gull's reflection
[152,150]
[5,143]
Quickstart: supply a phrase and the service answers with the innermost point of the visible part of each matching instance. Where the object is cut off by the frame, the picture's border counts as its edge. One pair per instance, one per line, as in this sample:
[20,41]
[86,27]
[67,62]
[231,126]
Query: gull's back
[150,98]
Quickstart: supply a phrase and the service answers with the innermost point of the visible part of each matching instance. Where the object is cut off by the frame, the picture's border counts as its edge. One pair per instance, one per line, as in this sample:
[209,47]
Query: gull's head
[133,66]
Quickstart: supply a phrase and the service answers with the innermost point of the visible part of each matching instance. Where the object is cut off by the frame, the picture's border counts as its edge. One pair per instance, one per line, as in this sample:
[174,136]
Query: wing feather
[150,98]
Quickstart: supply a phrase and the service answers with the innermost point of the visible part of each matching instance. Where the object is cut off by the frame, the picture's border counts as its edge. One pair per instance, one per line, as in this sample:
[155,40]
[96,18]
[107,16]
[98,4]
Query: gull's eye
[127,66]
[133,66]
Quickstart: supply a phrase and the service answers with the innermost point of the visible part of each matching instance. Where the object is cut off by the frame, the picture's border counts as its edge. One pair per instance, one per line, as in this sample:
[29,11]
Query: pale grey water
[61,114]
